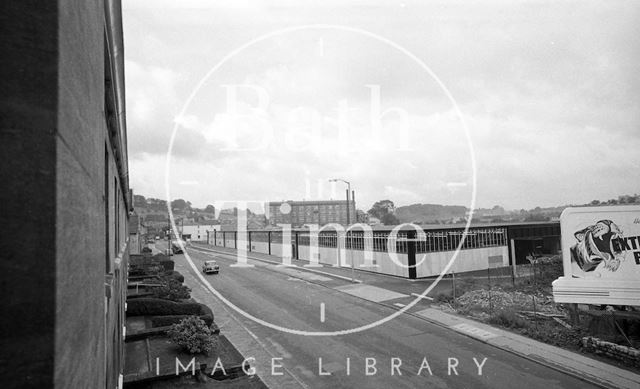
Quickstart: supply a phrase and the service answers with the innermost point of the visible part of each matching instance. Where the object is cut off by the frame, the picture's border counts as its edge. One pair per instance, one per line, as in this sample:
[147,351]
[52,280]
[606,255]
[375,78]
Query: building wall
[64,280]
[486,247]
[381,261]
[432,264]
[312,212]
[80,187]
[28,113]
[199,230]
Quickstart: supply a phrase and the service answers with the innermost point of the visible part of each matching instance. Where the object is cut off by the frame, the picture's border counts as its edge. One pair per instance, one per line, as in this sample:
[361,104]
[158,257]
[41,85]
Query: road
[292,299]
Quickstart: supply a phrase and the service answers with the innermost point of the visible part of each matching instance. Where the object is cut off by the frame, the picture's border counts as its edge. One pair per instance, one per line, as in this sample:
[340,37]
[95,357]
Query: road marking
[422,297]
[474,331]
[321,312]
[370,292]
[399,305]
[204,249]
[231,315]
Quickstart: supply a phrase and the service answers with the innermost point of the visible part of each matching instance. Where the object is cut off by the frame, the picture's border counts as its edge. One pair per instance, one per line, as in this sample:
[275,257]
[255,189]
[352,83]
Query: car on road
[176,248]
[210,267]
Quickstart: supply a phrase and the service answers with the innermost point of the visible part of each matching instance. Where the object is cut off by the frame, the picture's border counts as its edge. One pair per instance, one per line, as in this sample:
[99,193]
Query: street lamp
[348,221]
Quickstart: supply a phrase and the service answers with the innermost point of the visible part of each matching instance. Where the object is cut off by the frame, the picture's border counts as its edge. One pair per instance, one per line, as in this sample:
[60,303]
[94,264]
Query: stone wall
[628,355]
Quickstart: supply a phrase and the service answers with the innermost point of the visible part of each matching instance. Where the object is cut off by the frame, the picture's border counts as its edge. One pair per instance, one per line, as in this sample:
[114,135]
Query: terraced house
[63,142]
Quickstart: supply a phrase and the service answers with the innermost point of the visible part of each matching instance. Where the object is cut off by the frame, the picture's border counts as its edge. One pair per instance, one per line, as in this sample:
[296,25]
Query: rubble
[513,300]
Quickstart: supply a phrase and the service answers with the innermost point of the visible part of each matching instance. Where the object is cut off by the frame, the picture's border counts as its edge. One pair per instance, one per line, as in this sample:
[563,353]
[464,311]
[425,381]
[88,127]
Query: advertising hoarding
[601,256]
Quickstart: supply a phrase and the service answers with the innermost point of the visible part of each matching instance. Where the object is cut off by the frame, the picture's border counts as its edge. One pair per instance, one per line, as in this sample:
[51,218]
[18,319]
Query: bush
[167,320]
[175,275]
[469,309]
[153,306]
[164,312]
[165,262]
[509,319]
[172,289]
[443,298]
[193,335]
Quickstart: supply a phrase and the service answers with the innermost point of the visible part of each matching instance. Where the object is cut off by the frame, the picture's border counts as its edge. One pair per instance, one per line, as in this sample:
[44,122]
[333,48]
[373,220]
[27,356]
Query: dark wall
[28,115]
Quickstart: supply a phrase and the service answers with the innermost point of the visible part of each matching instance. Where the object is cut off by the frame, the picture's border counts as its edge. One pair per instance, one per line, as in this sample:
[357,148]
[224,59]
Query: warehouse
[404,251]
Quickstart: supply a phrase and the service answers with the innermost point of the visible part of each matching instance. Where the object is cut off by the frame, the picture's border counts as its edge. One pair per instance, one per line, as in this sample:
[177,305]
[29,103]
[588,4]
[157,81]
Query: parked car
[175,247]
[210,267]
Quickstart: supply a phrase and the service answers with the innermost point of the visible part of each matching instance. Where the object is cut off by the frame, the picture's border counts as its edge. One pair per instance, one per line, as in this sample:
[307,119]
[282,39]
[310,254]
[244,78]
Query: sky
[512,103]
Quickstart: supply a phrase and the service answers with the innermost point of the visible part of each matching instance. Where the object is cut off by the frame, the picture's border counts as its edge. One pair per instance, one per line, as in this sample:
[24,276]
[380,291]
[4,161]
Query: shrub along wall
[167,312]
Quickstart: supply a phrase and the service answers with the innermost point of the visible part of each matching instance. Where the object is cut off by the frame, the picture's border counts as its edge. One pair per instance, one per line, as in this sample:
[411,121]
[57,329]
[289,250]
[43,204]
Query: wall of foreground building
[64,140]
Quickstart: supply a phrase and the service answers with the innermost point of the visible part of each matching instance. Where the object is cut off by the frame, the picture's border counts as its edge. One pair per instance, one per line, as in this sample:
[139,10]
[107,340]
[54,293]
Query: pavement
[576,364]
[398,294]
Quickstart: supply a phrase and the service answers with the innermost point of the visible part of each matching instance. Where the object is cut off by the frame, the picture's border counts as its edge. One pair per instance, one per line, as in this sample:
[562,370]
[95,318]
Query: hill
[429,213]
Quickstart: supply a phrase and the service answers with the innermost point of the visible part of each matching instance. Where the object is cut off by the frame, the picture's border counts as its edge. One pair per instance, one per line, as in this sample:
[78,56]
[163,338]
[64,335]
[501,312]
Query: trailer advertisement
[601,256]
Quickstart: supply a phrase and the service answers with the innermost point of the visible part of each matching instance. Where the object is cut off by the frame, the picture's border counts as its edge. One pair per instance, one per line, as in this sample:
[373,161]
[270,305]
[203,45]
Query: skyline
[547,90]
[227,207]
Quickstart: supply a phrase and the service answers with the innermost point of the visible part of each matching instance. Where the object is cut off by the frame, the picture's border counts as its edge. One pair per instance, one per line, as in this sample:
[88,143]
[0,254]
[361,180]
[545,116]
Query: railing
[360,244]
[425,242]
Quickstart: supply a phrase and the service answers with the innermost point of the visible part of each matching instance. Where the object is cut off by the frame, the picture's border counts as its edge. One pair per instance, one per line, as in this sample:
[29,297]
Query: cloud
[152,103]
[550,95]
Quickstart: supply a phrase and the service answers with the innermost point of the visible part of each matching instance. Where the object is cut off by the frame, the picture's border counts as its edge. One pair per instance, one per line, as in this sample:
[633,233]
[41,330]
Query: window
[106,210]
[115,216]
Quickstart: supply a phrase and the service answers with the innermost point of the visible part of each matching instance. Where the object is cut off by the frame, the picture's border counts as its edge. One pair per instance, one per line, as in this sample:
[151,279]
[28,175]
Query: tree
[180,204]
[389,219]
[381,208]
[157,204]
[139,201]
[210,209]
[536,217]
[385,211]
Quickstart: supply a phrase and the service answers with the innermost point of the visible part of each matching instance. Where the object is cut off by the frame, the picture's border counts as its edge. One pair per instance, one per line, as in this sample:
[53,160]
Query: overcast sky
[549,92]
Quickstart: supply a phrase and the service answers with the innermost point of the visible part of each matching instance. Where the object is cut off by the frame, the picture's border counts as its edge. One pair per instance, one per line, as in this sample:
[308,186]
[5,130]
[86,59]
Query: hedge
[175,275]
[163,321]
[152,306]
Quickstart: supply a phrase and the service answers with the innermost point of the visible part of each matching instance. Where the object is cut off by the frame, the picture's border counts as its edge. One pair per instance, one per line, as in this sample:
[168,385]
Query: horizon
[365,209]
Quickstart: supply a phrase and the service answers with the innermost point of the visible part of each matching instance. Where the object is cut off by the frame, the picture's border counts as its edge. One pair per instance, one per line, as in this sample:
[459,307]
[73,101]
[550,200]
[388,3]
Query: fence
[525,293]
[405,253]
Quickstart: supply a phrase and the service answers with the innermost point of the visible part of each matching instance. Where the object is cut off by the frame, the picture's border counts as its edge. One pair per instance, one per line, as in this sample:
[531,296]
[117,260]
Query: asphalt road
[290,298]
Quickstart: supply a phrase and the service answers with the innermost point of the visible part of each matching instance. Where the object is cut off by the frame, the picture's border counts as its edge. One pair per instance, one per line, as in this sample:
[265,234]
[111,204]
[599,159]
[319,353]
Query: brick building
[299,213]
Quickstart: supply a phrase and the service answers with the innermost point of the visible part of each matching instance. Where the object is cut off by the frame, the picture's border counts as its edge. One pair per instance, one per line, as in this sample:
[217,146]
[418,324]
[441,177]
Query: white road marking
[399,305]
[240,324]
[370,292]
[422,297]
[321,312]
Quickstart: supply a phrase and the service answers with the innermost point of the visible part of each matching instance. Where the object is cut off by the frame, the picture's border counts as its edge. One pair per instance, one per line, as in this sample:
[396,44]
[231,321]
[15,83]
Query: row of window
[426,242]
